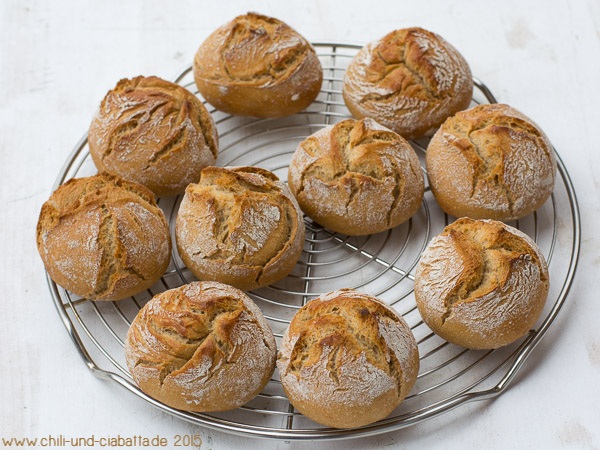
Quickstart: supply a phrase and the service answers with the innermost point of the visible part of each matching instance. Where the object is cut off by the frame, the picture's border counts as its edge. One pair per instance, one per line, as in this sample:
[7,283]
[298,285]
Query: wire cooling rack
[382,265]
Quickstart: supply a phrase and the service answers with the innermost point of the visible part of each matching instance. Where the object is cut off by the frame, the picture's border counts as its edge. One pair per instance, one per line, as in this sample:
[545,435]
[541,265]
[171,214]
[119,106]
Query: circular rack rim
[511,364]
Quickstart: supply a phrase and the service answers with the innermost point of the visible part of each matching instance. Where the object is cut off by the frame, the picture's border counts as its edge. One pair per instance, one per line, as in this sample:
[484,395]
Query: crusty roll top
[253,50]
[103,237]
[481,283]
[202,347]
[491,162]
[153,132]
[240,226]
[356,177]
[347,359]
[410,80]
[257,66]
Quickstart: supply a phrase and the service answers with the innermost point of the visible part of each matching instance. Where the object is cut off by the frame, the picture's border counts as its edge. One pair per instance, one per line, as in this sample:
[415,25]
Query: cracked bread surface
[240,226]
[356,177]
[481,284]
[204,346]
[347,359]
[103,238]
[490,162]
[153,132]
[257,66]
[410,81]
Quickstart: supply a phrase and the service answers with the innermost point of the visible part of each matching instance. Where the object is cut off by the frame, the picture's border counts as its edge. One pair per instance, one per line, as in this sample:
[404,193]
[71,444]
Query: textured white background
[58,59]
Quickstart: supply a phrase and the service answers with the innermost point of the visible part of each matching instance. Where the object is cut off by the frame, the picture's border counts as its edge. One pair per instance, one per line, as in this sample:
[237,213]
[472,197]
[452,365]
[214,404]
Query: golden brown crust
[356,177]
[490,162]
[239,226]
[204,346]
[257,66]
[481,284]
[347,359]
[153,132]
[103,238]
[410,81]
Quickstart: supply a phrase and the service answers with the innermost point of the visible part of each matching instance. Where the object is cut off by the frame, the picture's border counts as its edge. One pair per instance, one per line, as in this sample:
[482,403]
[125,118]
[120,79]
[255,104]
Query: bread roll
[103,238]
[347,359]
[239,226]
[410,81]
[356,177]
[257,66]
[153,132]
[490,162]
[481,284]
[204,346]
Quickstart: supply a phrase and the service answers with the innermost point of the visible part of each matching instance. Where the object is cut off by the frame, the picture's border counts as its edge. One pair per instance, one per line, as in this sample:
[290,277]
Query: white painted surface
[57,60]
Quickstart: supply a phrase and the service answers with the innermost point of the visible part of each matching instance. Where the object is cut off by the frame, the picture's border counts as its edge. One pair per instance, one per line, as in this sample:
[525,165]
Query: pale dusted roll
[153,132]
[201,347]
[240,226]
[490,162]
[257,66]
[481,284]
[347,359]
[356,177]
[410,81]
[103,238]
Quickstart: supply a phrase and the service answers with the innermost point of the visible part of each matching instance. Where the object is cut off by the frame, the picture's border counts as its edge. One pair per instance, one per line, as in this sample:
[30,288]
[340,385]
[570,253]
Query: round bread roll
[257,66]
[410,81]
[347,359]
[153,132]
[490,162]
[356,177]
[103,238]
[239,226]
[481,284]
[204,347]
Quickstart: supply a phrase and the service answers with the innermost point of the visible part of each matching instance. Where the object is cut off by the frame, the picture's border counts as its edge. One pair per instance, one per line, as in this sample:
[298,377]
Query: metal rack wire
[381,265]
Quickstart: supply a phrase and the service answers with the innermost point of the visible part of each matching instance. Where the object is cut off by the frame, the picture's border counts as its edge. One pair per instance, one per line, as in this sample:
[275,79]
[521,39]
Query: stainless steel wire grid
[382,265]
